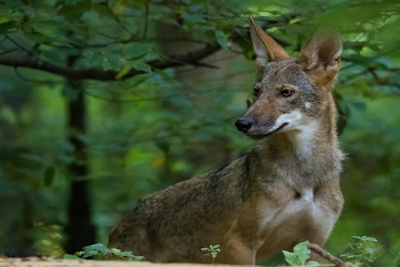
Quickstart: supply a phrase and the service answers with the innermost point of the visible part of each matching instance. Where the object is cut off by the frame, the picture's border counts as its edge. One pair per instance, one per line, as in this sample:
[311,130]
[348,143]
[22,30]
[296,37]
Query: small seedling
[362,250]
[103,253]
[299,256]
[212,251]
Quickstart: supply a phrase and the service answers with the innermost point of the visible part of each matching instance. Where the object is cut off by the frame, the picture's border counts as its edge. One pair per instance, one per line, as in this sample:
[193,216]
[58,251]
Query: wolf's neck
[312,150]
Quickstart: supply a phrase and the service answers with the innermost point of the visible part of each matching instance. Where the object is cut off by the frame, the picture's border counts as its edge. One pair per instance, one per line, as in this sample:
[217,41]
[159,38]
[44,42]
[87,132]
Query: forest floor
[48,262]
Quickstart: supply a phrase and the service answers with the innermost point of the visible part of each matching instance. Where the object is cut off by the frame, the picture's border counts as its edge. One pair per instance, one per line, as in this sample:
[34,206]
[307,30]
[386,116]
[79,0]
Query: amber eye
[257,88]
[287,92]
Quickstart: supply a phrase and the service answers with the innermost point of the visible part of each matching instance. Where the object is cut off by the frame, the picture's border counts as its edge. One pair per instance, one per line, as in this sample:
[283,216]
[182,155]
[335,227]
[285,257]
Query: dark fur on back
[194,210]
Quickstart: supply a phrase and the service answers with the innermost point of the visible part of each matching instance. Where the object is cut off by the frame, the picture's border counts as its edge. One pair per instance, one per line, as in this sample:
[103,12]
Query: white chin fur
[303,138]
[293,119]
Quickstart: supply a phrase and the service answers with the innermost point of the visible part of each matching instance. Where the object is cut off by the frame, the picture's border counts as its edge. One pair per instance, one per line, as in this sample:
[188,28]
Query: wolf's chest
[305,217]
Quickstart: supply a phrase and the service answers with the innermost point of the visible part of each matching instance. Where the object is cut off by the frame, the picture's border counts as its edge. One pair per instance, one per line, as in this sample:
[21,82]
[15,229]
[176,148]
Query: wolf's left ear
[266,48]
[320,56]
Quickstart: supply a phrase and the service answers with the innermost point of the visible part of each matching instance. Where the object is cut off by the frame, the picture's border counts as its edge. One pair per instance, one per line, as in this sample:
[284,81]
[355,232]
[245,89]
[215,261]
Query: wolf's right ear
[266,48]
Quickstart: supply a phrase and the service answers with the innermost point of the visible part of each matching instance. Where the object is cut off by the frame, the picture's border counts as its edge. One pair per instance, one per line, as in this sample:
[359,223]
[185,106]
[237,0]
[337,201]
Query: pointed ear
[320,56]
[266,48]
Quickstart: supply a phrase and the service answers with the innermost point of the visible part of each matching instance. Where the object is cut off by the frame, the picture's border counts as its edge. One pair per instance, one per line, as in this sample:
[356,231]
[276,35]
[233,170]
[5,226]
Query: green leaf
[37,37]
[302,251]
[292,258]
[312,263]
[135,258]
[8,114]
[49,175]
[123,72]
[351,256]
[139,65]
[97,247]
[114,250]
[106,64]
[75,11]
[138,80]
[371,239]
[47,27]
[125,255]
[71,257]
[104,10]
[53,56]
[4,27]
[97,59]
[138,50]
[293,21]
[79,253]
[89,253]
[88,54]
[115,61]
[222,39]
[193,18]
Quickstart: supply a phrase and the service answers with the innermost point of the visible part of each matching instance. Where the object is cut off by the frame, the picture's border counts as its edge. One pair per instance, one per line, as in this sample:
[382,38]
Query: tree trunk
[80,230]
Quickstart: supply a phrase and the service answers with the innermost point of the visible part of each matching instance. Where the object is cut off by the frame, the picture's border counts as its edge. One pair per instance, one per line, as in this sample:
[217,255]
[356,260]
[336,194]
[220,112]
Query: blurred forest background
[105,101]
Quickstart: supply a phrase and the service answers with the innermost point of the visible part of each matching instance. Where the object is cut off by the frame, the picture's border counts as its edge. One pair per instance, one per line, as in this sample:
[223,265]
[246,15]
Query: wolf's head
[292,92]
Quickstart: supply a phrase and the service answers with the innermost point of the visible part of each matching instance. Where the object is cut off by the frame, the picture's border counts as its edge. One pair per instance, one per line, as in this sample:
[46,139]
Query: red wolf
[285,191]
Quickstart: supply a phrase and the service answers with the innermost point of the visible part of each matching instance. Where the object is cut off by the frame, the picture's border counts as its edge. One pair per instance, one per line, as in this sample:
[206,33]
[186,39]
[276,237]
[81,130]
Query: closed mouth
[261,136]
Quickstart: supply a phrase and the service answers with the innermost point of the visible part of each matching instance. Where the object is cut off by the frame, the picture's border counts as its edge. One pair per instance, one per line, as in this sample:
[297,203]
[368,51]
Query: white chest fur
[302,218]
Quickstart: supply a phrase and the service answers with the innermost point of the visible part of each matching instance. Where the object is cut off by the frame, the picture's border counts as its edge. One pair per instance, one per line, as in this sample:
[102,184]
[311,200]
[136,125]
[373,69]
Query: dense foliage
[105,101]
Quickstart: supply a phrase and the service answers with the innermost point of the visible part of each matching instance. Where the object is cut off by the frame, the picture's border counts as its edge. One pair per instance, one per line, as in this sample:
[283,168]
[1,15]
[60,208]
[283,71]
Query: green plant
[397,260]
[300,255]
[213,251]
[101,252]
[362,250]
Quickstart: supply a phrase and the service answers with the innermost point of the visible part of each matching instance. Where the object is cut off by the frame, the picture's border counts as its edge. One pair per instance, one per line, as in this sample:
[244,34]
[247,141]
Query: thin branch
[191,58]
[28,51]
[129,40]
[326,255]
[16,44]
[116,18]
[380,81]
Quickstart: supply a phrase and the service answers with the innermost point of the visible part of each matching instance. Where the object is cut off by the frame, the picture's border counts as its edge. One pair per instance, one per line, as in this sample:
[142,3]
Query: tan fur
[273,51]
[285,191]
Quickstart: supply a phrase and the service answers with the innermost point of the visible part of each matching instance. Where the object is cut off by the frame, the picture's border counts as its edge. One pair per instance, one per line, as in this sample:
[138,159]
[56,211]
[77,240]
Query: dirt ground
[48,262]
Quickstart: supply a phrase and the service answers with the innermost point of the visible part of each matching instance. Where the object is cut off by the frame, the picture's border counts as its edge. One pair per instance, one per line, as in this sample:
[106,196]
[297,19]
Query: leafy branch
[191,58]
[103,253]
[362,250]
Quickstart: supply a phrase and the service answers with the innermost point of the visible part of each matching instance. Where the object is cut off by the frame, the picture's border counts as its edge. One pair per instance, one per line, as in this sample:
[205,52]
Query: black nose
[244,125]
